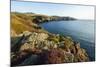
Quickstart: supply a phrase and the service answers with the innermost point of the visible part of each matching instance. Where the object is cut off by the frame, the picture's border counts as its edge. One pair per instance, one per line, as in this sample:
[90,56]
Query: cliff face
[37,46]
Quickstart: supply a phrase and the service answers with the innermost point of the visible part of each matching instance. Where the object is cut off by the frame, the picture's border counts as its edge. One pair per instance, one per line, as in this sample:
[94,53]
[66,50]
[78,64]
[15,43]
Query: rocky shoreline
[43,19]
[53,48]
[41,47]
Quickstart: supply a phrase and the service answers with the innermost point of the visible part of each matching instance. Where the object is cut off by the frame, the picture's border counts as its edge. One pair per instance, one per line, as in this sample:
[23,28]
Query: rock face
[59,56]
[34,40]
[34,47]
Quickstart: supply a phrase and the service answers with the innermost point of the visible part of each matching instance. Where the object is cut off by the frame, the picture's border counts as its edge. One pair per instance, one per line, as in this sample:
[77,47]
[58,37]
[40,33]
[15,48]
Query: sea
[82,31]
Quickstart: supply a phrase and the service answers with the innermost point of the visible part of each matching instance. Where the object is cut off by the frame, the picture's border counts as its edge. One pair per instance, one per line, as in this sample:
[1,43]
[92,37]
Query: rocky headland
[32,45]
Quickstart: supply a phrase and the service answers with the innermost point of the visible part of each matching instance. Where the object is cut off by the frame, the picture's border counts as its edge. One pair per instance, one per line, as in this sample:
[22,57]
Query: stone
[59,56]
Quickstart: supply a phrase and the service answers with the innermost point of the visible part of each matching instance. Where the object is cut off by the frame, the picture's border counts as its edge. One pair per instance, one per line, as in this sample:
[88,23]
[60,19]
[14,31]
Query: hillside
[22,22]
[32,45]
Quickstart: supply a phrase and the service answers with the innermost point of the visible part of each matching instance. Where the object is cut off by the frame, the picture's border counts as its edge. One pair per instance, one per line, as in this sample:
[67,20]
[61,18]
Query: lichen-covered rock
[53,49]
[33,40]
[50,44]
[27,46]
[59,56]
[38,36]
[80,54]
[73,49]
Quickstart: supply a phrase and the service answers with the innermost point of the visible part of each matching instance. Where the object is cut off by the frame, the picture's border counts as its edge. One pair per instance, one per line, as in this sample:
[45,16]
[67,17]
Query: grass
[19,25]
[22,22]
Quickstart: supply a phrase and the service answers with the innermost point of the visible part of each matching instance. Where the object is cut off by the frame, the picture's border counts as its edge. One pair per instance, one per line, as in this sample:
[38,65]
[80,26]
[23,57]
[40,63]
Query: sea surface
[82,31]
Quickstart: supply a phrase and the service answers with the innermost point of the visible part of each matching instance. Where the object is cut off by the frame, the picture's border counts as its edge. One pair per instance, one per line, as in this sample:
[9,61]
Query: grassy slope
[22,22]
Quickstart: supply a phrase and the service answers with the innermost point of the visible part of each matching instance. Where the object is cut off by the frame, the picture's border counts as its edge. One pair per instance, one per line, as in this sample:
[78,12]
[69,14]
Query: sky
[76,11]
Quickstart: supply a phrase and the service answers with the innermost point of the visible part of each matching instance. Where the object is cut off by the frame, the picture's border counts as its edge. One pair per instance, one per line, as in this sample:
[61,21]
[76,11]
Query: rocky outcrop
[35,40]
[60,56]
[34,47]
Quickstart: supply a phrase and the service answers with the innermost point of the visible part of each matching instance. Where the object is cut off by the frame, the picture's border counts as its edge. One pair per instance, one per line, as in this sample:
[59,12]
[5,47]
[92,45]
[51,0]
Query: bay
[82,31]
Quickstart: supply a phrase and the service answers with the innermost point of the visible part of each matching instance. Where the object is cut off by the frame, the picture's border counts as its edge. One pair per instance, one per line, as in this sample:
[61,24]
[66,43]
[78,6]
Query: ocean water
[80,30]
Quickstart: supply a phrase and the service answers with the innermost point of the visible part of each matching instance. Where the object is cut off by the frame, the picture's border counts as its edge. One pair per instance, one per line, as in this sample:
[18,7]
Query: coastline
[40,43]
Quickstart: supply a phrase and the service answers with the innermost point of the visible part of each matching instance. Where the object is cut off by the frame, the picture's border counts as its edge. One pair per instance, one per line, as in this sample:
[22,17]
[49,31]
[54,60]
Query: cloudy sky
[77,11]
